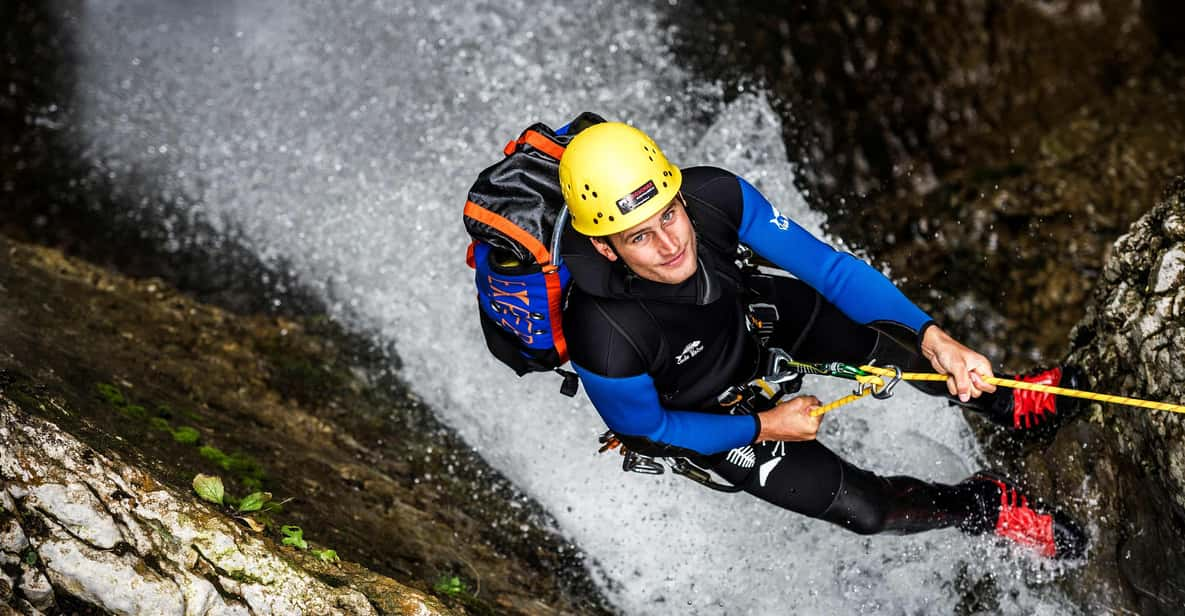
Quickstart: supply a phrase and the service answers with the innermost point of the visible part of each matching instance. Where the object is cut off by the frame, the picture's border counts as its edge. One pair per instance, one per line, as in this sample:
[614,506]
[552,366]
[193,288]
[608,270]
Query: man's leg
[807,478]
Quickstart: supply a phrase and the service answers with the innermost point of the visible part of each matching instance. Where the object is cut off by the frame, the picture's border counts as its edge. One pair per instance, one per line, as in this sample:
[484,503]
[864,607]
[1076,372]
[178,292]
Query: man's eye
[668,215]
[637,239]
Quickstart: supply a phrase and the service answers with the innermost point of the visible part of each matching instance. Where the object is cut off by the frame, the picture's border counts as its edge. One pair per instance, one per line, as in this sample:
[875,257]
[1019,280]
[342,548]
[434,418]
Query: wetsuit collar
[596,275]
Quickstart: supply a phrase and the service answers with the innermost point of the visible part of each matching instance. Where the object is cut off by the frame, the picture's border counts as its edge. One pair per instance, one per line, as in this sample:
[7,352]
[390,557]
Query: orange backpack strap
[555,304]
[511,230]
[470,260]
[537,141]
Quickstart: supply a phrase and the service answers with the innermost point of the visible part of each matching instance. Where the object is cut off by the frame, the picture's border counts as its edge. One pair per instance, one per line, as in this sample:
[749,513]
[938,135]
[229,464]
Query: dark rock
[1123,468]
[988,151]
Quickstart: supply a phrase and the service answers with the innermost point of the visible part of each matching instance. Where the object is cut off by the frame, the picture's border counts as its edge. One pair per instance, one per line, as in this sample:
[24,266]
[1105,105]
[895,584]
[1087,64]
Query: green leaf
[186,435]
[213,454]
[135,411]
[450,585]
[111,394]
[210,488]
[254,501]
[294,537]
[328,556]
[31,558]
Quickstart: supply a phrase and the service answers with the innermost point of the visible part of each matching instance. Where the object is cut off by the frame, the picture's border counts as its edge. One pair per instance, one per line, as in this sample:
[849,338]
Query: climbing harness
[762,393]
[782,376]
[634,462]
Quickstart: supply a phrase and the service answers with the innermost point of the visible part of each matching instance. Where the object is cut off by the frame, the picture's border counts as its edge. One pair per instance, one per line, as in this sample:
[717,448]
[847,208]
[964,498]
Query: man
[657,329]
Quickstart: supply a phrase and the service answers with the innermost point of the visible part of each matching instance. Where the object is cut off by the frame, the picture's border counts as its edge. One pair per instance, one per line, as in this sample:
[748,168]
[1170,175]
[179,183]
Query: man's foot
[1027,410]
[1052,535]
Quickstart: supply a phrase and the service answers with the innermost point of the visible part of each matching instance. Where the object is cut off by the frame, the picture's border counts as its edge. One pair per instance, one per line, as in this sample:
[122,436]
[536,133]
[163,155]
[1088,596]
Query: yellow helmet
[613,177]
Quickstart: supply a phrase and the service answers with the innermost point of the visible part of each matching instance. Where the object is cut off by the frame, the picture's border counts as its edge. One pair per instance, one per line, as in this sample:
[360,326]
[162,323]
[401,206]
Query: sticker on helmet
[640,195]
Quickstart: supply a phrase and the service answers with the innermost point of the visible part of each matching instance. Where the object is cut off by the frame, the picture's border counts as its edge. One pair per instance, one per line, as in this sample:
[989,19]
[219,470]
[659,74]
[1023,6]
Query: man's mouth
[678,259]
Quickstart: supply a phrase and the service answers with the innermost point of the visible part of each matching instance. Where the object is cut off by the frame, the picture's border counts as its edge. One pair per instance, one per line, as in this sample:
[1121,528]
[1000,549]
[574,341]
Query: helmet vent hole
[651,159]
[610,219]
[596,222]
[600,214]
[586,187]
[664,184]
[594,194]
[584,196]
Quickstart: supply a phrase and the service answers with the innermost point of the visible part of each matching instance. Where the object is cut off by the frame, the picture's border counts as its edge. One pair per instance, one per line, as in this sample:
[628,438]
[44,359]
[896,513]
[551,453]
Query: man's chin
[679,275]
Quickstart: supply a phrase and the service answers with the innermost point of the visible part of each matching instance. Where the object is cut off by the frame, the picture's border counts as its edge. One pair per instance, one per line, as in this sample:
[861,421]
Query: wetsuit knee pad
[799,476]
[861,503]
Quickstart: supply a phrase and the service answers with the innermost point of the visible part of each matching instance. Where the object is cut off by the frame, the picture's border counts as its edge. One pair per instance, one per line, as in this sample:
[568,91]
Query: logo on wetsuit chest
[689,351]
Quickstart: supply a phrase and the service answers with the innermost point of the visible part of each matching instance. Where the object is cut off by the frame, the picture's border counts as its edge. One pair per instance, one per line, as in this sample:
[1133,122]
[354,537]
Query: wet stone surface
[139,372]
[1121,468]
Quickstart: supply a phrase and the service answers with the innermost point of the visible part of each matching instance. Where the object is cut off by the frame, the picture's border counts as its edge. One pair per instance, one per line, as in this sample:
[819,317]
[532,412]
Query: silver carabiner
[774,375]
[637,463]
[886,391]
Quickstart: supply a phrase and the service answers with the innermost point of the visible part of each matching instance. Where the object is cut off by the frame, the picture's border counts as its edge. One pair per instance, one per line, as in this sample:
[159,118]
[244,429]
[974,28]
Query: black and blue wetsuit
[653,357]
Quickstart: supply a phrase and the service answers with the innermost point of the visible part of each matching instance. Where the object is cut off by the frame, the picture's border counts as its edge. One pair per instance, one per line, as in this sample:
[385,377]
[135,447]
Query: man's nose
[667,243]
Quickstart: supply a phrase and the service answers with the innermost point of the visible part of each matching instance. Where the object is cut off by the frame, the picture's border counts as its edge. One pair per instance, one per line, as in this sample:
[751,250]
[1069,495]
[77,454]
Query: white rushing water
[340,137]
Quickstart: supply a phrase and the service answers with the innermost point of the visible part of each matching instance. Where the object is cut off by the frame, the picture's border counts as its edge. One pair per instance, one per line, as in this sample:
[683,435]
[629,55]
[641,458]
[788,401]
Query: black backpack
[515,215]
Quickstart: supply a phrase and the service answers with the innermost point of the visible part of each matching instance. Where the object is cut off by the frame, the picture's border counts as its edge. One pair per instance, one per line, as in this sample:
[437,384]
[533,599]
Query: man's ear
[602,246]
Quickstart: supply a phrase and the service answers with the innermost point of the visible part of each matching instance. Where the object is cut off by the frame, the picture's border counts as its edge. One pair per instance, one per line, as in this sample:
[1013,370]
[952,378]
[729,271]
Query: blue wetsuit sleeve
[630,406]
[861,292]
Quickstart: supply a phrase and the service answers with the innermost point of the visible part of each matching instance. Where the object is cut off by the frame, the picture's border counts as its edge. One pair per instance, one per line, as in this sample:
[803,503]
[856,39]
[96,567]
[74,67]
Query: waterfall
[339,139]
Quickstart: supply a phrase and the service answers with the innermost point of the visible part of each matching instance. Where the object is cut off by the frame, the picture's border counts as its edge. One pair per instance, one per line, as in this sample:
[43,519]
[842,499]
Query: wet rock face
[1133,339]
[156,388]
[1122,469]
[111,536]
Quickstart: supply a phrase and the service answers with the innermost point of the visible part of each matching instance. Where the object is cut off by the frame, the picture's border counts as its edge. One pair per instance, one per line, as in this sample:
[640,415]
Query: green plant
[294,536]
[450,585]
[186,435]
[210,488]
[111,394]
[214,455]
[328,556]
[254,501]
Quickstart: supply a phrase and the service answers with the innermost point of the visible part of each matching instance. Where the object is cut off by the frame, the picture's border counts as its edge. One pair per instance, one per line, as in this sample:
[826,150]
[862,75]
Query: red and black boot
[1006,513]
[1029,410]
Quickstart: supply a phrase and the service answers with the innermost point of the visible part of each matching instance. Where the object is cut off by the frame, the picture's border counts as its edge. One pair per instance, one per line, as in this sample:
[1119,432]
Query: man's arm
[630,406]
[861,292]
[857,289]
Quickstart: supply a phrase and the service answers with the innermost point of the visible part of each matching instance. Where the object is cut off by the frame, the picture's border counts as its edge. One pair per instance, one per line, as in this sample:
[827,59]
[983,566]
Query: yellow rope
[1061,391]
[827,408]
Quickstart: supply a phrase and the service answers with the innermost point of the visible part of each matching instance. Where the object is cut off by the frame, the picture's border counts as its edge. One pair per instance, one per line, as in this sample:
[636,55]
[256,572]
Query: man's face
[660,249]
